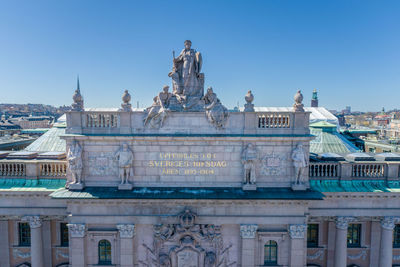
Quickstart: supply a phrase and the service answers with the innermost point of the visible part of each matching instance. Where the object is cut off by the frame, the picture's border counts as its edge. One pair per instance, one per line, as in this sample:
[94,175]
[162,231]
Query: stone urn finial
[298,99]
[78,99]
[249,106]
[126,99]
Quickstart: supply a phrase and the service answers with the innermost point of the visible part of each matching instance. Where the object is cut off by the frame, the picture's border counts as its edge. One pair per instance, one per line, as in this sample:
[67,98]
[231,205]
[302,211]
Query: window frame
[271,244]
[396,236]
[350,233]
[64,242]
[22,235]
[108,256]
[316,243]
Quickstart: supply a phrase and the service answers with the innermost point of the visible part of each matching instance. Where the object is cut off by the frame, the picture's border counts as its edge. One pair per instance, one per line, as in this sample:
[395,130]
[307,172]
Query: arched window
[104,252]
[271,253]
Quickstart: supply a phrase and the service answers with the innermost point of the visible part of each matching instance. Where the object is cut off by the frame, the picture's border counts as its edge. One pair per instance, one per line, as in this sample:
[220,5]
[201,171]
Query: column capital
[388,222]
[76,229]
[34,221]
[342,222]
[126,230]
[248,230]
[297,230]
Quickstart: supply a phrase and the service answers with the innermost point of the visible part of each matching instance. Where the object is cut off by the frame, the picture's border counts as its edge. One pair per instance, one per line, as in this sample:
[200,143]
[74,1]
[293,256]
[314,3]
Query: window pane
[312,235]
[354,235]
[396,236]
[270,253]
[104,252]
[64,235]
[24,234]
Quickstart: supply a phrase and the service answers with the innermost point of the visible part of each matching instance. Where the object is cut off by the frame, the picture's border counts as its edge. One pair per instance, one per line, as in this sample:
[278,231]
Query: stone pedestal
[36,240]
[77,245]
[76,186]
[248,234]
[125,187]
[298,251]
[249,187]
[386,249]
[126,233]
[299,187]
[342,224]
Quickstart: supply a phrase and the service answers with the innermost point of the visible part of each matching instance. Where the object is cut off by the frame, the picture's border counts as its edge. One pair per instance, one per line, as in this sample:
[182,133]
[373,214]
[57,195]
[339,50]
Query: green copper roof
[187,193]
[330,141]
[322,124]
[355,186]
[50,141]
[11,184]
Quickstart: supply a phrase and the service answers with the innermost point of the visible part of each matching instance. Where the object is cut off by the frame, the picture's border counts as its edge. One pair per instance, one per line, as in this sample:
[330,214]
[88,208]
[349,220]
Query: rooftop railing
[33,169]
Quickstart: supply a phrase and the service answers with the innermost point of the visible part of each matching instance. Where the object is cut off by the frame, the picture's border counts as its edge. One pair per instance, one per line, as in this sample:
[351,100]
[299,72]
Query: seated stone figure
[216,113]
[157,112]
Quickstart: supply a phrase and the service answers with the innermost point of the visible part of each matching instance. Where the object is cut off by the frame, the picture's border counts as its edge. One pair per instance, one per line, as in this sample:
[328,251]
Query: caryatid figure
[124,157]
[300,162]
[75,162]
[249,158]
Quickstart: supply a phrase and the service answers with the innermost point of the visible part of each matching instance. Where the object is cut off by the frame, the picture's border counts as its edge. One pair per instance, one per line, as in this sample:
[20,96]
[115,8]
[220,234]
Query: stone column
[4,244]
[76,244]
[386,249]
[36,240]
[297,245]
[342,224]
[126,233]
[248,234]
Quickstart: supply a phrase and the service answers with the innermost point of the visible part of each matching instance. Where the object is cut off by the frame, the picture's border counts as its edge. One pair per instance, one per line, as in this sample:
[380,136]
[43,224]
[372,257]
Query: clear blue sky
[348,50]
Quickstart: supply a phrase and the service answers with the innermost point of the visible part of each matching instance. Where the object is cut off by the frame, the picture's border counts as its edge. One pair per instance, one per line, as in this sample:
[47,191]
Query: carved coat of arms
[272,165]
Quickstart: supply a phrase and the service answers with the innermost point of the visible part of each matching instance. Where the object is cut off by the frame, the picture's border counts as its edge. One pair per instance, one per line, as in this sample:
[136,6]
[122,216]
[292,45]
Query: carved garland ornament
[76,229]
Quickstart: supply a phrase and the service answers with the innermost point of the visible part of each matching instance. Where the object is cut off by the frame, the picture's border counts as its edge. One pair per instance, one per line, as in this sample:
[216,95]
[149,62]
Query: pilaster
[248,234]
[298,252]
[77,234]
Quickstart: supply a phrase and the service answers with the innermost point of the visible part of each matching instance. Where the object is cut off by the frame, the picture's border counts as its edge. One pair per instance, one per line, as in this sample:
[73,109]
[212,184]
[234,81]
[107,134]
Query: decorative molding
[126,230]
[76,229]
[297,230]
[248,230]
[319,254]
[388,222]
[19,254]
[342,222]
[34,221]
[362,255]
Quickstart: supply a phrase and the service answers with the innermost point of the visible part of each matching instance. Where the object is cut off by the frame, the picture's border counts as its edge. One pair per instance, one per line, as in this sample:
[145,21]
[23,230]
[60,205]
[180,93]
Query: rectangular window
[354,235]
[64,235]
[24,234]
[396,236]
[312,235]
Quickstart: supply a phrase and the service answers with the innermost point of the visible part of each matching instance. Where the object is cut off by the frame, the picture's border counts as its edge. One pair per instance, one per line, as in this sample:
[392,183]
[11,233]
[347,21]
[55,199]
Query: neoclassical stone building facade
[188,183]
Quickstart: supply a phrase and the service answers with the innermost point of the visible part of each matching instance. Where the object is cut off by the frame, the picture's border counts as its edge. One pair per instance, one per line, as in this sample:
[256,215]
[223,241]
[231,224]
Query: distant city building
[314,99]
[33,122]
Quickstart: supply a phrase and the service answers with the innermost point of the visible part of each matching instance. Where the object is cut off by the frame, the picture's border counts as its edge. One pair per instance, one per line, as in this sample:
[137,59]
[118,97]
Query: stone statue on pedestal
[157,113]
[75,162]
[126,98]
[124,157]
[216,113]
[300,163]
[249,158]
[187,81]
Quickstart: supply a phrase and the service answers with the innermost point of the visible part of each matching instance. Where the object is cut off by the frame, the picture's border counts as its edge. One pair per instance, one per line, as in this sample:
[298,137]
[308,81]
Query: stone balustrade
[328,170]
[275,120]
[345,169]
[33,169]
[116,121]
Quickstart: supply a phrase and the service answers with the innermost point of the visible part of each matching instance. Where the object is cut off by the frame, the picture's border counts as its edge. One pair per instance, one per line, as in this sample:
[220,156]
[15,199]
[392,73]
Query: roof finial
[77,86]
